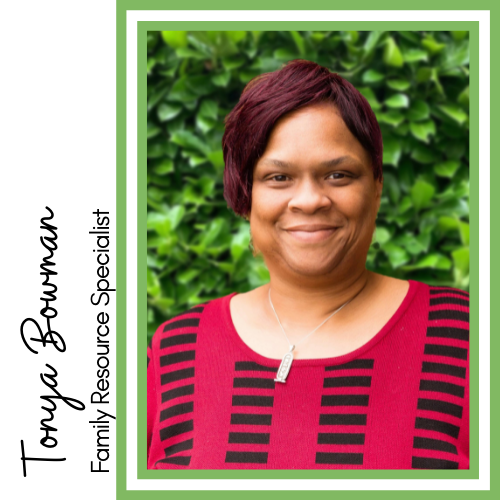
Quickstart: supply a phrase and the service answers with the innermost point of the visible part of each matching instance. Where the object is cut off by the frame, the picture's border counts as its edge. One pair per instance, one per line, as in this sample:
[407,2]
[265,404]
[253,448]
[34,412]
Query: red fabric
[401,401]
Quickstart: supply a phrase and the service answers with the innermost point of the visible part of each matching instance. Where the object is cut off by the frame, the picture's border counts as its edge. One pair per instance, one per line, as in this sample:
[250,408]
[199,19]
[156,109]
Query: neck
[301,309]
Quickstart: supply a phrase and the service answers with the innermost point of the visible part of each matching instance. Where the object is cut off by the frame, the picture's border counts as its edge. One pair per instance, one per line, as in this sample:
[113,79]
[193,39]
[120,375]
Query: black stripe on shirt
[440,407]
[432,463]
[438,426]
[446,350]
[448,332]
[456,371]
[186,338]
[445,387]
[434,444]
[345,400]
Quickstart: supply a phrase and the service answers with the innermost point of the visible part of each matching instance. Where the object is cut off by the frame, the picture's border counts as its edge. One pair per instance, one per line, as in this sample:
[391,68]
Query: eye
[278,178]
[337,175]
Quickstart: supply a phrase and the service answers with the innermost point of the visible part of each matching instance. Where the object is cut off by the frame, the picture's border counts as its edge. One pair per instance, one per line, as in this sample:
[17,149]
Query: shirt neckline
[337,360]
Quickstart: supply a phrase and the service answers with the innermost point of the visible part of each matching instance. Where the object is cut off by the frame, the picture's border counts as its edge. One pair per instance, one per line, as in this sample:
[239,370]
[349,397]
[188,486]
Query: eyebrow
[327,163]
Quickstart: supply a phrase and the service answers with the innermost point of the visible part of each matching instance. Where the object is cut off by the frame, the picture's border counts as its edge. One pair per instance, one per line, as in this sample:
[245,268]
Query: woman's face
[314,198]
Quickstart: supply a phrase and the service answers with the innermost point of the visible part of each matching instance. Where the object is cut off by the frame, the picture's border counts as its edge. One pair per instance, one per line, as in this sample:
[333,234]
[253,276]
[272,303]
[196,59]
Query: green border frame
[121,242]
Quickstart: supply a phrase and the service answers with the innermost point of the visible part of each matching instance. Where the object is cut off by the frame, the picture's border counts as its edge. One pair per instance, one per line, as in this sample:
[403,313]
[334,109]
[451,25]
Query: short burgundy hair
[267,98]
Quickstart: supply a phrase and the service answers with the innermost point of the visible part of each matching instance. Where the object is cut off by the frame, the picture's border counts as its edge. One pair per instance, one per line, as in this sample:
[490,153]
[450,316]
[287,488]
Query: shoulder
[184,327]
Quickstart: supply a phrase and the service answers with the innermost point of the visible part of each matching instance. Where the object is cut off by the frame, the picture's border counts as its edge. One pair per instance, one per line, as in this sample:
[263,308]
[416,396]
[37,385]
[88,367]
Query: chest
[336,338]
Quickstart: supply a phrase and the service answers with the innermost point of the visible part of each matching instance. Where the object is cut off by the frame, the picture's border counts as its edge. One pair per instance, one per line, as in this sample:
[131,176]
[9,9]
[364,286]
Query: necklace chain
[292,346]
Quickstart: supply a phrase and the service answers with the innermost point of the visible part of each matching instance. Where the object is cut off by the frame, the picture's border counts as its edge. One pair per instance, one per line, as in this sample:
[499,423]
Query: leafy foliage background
[416,82]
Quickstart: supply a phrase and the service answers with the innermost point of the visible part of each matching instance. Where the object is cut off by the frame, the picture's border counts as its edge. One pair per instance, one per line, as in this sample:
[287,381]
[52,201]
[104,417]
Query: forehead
[314,133]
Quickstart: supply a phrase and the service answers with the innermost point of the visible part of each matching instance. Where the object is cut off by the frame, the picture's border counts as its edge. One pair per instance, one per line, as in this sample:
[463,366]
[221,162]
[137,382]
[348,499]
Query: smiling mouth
[311,235]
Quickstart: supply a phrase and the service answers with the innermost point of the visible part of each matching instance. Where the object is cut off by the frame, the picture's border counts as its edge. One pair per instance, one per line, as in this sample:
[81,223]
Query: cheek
[267,205]
[355,204]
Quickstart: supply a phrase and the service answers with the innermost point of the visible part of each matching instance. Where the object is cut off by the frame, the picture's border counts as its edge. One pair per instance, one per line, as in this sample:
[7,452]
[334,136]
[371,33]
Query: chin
[311,265]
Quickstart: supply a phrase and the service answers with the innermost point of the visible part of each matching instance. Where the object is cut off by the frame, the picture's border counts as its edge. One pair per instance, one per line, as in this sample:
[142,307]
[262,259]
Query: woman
[329,365]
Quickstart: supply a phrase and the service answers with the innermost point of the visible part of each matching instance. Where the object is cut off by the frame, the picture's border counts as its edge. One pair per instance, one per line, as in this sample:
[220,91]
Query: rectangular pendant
[284,368]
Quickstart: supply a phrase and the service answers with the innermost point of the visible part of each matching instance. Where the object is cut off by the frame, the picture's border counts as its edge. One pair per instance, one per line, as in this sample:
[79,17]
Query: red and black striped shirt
[401,401]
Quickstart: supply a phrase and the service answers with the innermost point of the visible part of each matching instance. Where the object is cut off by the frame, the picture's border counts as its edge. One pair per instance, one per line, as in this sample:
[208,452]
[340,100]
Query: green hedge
[416,82]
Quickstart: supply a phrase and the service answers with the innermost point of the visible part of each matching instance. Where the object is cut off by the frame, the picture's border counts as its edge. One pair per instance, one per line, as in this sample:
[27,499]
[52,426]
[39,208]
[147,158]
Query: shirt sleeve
[151,395]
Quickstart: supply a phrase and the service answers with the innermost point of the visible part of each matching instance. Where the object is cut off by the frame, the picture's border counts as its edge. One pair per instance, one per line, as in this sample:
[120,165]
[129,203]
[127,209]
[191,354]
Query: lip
[311,233]
[310,227]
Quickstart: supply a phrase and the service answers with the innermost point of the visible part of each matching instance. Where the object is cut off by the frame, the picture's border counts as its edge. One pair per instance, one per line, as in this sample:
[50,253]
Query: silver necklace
[286,363]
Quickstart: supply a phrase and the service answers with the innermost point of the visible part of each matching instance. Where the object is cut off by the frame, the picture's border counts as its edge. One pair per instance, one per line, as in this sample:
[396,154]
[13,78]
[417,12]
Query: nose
[309,197]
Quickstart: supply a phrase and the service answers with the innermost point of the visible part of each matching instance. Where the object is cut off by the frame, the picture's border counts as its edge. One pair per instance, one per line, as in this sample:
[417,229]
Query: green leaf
[423,154]
[187,276]
[392,152]
[393,118]
[217,159]
[405,205]
[299,42]
[236,36]
[464,232]
[180,92]
[398,101]
[350,37]
[284,54]
[165,167]
[454,57]
[421,194]
[212,232]
[392,55]
[348,64]
[150,65]
[157,149]
[461,261]
[414,55]
[397,256]
[153,284]
[209,109]
[205,124]
[459,35]
[187,139]
[382,235]
[419,110]
[195,160]
[153,131]
[246,76]
[391,185]
[447,168]
[371,41]
[164,303]
[372,76]
[233,62]
[399,85]
[454,112]
[447,224]
[186,53]
[437,82]
[369,95]
[168,111]
[431,261]
[156,96]
[175,39]
[423,130]
[424,74]
[463,97]
[411,36]
[431,45]
[239,244]
[207,185]
[175,215]
[227,267]
[221,79]
[200,85]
